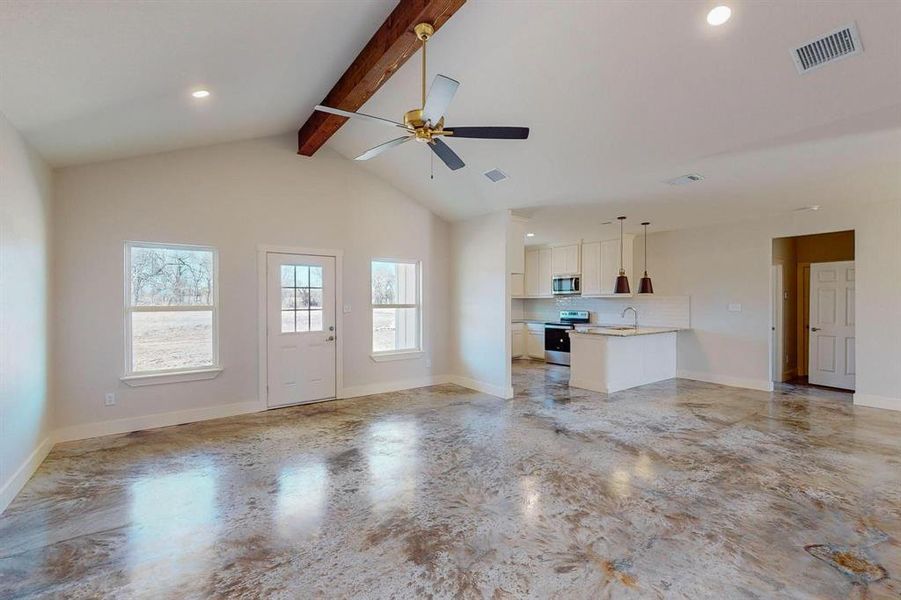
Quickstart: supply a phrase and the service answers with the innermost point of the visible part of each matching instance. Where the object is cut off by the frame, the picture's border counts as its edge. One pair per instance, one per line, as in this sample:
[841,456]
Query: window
[395,307]
[301,298]
[170,308]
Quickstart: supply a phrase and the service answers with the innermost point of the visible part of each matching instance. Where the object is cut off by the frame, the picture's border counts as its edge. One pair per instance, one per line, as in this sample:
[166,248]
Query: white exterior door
[831,339]
[300,318]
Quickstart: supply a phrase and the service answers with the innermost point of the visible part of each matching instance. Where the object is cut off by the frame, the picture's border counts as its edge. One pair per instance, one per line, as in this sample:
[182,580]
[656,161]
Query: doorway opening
[812,325]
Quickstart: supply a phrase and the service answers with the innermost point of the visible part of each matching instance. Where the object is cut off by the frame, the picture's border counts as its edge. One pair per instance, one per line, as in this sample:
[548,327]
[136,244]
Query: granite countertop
[622,330]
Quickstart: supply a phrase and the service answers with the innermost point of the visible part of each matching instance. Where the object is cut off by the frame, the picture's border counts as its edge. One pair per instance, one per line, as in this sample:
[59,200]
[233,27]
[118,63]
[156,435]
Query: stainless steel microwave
[567,285]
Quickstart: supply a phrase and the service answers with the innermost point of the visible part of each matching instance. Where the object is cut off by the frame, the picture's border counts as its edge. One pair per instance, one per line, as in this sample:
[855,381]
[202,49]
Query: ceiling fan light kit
[426,124]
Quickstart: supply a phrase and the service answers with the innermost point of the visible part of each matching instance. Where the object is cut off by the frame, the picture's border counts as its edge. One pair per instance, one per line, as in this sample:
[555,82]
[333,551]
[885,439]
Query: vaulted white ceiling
[620,96]
[89,80]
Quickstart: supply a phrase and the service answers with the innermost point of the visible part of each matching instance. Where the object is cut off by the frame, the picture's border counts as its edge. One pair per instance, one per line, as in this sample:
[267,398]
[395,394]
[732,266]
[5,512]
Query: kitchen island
[610,359]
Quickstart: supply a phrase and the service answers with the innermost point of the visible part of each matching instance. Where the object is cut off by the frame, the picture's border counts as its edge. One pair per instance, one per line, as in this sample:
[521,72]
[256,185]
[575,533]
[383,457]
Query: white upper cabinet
[600,266]
[565,259]
[517,285]
[591,269]
[516,234]
[539,274]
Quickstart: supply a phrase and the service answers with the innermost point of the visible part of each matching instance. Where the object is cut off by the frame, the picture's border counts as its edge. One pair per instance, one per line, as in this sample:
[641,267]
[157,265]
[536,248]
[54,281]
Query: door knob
[814,328]
[330,338]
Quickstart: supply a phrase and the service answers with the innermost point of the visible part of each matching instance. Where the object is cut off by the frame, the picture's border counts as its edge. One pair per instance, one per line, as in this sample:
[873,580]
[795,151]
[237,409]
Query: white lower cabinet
[535,341]
[518,343]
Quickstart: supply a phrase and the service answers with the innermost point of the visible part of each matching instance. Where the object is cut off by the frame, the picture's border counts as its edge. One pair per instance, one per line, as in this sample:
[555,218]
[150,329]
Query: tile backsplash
[653,311]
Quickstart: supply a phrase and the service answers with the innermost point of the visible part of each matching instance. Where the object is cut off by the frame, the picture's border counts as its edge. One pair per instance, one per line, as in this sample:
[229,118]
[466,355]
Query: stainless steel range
[556,336]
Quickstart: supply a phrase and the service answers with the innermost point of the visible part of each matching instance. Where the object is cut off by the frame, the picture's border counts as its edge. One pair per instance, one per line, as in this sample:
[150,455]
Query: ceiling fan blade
[373,152]
[490,133]
[347,113]
[447,155]
[440,95]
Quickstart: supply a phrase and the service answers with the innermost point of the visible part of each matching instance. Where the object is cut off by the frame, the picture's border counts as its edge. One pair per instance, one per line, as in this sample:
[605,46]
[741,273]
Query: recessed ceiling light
[201,94]
[530,234]
[719,15]
[811,207]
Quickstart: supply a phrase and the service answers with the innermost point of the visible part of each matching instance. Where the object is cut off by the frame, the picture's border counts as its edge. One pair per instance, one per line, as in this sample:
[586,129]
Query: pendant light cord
[621,270]
[645,250]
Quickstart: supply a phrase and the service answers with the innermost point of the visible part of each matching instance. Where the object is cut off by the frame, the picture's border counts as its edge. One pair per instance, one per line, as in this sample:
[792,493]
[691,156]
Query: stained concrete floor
[678,489]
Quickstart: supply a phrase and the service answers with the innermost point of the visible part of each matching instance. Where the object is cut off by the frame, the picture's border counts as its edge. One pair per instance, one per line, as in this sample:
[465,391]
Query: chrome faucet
[627,309]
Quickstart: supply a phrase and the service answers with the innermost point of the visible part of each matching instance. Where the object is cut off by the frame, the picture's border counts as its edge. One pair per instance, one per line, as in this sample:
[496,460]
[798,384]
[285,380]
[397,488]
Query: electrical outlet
[735,308]
[347,309]
[428,363]
[110,398]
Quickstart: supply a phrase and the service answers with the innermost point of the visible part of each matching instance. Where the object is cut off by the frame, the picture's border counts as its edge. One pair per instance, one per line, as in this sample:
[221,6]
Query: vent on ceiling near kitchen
[685,179]
[841,43]
[496,175]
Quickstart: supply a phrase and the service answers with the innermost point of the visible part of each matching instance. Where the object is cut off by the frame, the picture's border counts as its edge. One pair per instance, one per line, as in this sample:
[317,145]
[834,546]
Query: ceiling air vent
[496,175]
[841,43]
[685,179]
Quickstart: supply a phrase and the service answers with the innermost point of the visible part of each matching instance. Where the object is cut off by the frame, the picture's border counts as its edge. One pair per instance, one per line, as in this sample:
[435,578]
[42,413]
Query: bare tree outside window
[171,308]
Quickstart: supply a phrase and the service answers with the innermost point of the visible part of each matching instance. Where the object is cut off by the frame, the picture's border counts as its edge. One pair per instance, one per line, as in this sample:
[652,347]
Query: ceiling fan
[426,124]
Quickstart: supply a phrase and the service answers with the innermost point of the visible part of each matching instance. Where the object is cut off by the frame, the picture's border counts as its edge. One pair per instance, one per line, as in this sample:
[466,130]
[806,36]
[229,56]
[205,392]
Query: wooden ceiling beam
[389,48]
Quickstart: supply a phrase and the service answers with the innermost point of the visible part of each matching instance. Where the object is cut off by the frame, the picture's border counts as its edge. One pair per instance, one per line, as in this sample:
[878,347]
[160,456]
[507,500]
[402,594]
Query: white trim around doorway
[263,366]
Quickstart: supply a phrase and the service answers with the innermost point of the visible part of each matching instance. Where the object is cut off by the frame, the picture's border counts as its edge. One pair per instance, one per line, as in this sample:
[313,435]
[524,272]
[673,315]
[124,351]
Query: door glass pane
[303,321]
[303,276]
[316,277]
[315,298]
[287,275]
[287,321]
[288,298]
[303,298]
[315,320]
[171,340]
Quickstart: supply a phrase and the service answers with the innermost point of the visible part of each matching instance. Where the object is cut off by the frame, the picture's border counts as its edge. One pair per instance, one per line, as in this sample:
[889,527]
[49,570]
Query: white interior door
[300,318]
[831,341]
[778,323]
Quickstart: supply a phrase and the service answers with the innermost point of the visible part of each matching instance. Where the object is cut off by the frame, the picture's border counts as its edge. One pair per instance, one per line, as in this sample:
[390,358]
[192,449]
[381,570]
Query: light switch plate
[109,399]
[347,309]
[735,308]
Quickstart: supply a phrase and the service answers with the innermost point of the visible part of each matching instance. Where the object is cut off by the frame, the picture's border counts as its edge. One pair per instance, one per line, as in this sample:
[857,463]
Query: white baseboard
[90,430]
[874,401]
[481,386]
[369,389]
[740,382]
[14,484]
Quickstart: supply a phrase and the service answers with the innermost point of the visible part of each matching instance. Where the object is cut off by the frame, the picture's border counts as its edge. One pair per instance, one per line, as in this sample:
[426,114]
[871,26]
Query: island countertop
[621,330]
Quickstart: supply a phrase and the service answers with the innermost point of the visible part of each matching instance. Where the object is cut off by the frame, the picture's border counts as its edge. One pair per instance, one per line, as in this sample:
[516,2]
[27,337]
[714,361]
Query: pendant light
[622,282]
[645,286]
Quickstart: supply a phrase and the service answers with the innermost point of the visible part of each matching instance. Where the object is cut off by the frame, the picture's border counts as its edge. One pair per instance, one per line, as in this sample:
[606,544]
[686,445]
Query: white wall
[232,196]
[480,310]
[720,265]
[24,239]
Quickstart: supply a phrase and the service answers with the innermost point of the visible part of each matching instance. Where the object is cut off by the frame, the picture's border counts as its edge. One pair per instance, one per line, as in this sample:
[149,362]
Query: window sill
[405,355]
[176,377]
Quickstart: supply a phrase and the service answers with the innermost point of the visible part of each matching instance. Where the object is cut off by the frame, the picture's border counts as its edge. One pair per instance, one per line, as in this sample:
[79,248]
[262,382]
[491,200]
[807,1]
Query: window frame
[408,353]
[132,377]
